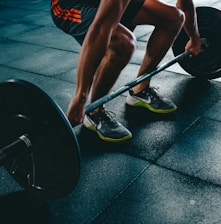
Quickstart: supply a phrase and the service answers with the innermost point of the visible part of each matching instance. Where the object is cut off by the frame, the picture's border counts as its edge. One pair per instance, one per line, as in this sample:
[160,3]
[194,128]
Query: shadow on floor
[22,207]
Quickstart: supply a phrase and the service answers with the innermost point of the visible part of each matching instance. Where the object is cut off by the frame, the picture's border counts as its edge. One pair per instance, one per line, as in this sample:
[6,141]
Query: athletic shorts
[75,16]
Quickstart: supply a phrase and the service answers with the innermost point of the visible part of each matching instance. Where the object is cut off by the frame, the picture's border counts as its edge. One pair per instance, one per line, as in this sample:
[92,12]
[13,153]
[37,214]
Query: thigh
[155,12]
[131,11]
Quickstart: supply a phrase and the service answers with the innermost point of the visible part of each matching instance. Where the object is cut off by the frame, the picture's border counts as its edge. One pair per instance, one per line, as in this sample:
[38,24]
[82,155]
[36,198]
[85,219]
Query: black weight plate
[207,65]
[51,166]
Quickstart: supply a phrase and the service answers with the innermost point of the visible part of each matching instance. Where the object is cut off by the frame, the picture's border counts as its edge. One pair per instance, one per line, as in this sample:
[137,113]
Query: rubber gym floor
[170,172]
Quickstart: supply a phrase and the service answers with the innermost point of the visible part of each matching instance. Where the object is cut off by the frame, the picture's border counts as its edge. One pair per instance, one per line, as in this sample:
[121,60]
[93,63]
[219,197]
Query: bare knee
[177,20]
[122,47]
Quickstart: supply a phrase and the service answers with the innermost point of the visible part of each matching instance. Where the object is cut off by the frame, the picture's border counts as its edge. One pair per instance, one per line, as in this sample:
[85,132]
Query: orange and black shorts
[75,16]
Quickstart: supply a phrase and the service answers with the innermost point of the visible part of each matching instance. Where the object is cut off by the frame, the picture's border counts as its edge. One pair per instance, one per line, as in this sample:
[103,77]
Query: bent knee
[123,45]
[178,19]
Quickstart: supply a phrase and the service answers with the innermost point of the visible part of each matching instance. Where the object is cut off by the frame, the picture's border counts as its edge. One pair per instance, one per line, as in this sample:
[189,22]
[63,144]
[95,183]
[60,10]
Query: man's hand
[193,46]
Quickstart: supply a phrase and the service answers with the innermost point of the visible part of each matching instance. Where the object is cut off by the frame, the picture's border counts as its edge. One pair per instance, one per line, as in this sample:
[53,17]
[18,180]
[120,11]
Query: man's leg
[94,47]
[168,21]
[118,54]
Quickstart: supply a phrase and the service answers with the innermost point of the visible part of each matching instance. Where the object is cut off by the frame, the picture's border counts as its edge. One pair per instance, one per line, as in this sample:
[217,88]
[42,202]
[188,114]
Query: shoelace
[107,116]
[152,92]
[155,93]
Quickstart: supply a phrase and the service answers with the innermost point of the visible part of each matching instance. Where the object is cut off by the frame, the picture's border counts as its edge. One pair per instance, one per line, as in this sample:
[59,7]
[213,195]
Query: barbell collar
[18,146]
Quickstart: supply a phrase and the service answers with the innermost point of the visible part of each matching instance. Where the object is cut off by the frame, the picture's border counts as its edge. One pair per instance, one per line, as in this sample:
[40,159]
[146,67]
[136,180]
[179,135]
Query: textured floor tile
[160,196]
[103,177]
[197,152]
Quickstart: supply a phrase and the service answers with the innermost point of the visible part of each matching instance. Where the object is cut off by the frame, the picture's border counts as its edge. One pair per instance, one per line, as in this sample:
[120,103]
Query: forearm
[190,25]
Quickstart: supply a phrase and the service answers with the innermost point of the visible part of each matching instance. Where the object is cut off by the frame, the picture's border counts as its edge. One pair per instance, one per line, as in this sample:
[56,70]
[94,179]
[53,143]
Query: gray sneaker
[150,99]
[106,127]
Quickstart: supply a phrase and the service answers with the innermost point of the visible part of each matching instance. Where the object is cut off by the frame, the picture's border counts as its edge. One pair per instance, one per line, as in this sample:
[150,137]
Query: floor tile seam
[10,37]
[23,42]
[15,21]
[188,127]
[179,136]
[192,124]
[22,70]
[120,193]
[38,74]
[143,158]
[207,117]
[186,175]
[56,77]
[191,177]
[38,45]
[45,46]
[16,7]
[211,119]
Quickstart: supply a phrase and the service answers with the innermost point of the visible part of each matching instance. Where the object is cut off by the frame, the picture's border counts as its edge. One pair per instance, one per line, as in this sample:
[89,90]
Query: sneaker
[150,99]
[106,127]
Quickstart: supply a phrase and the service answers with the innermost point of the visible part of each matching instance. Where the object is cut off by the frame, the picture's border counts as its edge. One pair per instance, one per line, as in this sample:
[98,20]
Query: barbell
[38,146]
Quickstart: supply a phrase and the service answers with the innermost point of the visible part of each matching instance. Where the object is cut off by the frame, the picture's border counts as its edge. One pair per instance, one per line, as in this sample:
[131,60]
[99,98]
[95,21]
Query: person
[105,28]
